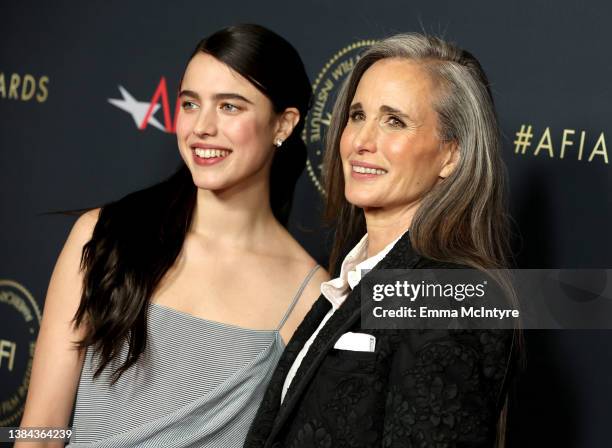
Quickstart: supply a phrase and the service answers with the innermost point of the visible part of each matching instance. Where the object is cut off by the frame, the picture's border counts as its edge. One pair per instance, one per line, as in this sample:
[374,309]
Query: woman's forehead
[207,75]
[396,73]
[397,83]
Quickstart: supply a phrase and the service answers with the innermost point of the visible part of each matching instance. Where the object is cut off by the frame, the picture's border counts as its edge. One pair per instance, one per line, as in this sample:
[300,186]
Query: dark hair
[138,238]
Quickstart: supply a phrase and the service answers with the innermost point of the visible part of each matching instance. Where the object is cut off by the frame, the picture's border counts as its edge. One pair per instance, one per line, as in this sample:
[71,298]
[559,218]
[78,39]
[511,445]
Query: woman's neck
[240,217]
[384,225]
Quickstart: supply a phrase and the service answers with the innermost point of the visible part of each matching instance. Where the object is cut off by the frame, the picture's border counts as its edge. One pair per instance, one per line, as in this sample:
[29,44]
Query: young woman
[414,173]
[180,297]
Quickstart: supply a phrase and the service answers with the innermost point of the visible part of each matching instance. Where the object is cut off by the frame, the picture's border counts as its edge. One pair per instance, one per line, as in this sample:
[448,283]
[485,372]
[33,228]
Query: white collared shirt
[337,290]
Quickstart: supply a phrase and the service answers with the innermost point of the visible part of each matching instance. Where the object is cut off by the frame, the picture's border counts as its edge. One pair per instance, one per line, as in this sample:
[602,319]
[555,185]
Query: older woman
[413,169]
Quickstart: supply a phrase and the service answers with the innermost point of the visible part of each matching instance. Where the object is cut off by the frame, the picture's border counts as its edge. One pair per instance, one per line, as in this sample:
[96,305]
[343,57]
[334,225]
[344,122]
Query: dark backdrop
[64,145]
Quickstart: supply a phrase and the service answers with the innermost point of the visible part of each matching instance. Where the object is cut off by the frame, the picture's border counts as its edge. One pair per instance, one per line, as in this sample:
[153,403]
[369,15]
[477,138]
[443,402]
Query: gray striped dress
[198,384]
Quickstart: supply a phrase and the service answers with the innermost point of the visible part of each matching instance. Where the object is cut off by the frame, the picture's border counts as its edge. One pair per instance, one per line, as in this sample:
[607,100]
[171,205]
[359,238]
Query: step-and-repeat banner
[87,106]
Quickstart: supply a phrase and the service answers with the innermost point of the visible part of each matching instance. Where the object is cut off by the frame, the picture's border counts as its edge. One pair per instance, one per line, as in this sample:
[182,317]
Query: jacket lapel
[401,256]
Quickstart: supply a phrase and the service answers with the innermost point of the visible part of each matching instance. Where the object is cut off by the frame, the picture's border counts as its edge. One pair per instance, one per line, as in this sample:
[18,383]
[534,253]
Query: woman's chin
[363,201]
[209,184]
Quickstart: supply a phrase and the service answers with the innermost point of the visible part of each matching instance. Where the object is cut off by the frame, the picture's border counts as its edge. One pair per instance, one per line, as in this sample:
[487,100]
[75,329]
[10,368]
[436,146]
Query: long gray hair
[463,218]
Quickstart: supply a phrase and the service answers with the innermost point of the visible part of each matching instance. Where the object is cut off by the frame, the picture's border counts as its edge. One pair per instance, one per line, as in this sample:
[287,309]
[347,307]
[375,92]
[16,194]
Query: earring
[278,142]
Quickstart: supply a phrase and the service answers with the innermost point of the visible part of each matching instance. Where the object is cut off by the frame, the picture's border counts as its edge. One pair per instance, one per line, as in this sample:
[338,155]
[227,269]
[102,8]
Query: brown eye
[357,116]
[395,122]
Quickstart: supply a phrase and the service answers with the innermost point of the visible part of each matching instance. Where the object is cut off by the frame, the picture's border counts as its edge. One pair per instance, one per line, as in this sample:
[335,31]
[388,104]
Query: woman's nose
[206,124]
[365,139]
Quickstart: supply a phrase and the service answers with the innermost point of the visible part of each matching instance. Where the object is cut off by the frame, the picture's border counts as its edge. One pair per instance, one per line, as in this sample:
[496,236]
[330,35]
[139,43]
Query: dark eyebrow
[190,93]
[230,96]
[391,110]
[384,109]
[216,96]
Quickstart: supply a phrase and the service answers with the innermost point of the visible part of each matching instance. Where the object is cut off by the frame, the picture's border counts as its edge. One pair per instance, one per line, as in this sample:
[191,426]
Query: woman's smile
[206,155]
[366,171]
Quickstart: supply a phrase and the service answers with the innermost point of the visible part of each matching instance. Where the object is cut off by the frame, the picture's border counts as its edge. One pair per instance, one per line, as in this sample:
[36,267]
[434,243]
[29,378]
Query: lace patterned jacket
[419,388]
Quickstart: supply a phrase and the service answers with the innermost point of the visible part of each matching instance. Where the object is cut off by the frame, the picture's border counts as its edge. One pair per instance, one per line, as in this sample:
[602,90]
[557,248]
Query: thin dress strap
[297,296]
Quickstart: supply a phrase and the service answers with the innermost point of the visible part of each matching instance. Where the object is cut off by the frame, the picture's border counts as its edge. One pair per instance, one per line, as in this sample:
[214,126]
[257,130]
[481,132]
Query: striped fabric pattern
[198,384]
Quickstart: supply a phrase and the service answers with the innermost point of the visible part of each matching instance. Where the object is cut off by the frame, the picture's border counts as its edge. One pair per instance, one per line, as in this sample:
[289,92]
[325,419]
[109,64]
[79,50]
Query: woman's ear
[451,158]
[286,123]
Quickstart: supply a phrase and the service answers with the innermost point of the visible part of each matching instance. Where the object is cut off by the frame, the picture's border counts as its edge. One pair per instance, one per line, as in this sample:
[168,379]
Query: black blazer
[420,388]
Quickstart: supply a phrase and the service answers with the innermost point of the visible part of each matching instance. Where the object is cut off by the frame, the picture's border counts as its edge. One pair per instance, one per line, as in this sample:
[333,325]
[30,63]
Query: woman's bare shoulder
[84,226]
